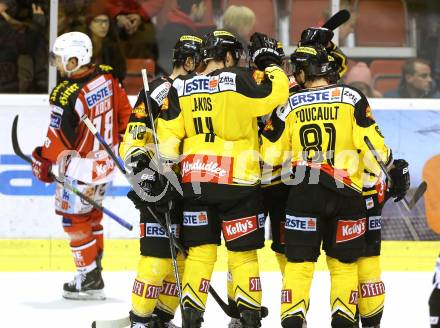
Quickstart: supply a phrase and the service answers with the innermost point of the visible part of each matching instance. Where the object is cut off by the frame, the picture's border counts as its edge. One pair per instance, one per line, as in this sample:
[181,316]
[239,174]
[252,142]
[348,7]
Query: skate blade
[89,295]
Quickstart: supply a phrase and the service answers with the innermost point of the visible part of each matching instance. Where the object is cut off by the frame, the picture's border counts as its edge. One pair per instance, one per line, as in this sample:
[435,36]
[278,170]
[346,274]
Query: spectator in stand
[359,76]
[137,31]
[416,81]
[8,50]
[180,21]
[72,15]
[240,21]
[105,41]
[27,23]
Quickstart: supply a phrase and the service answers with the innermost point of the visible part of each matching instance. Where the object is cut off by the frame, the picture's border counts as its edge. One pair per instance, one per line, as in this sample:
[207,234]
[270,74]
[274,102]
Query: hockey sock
[295,293]
[231,300]
[434,308]
[168,298]
[282,260]
[98,232]
[196,279]
[148,284]
[371,291]
[343,293]
[245,279]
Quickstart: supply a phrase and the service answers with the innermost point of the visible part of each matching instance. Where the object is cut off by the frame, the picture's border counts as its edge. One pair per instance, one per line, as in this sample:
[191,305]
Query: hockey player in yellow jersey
[209,125]
[324,127]
[154,294]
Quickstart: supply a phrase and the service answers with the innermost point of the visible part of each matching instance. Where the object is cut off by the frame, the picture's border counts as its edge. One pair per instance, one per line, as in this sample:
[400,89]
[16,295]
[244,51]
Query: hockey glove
[157,193]
[265,51]
[400,179]
[41,167]
[313,36]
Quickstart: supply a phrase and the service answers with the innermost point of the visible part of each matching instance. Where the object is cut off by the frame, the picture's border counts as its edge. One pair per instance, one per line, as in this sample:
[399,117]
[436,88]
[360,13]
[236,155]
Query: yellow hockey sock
[295,296]
[282,260]
[344,293]
[371,287]
[168,298]
[196,279]
[148,284]
[245,279]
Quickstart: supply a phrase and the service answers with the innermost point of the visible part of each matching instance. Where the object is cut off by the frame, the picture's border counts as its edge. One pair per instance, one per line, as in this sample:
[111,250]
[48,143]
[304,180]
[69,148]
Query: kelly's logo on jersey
[349,230]
[300,223]
[195,218]
[99,94]
[238,228]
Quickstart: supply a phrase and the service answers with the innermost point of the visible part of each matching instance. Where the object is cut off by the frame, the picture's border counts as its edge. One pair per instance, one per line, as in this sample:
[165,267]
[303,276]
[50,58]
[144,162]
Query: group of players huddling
[246,144]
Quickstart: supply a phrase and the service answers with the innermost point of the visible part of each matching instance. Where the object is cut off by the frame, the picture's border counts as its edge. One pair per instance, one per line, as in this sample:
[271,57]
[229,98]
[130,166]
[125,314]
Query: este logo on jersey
[374,223]
[99,94]
[300,223]
[238,228]
[309,97]
[349,230]
[156,230]
[195,218]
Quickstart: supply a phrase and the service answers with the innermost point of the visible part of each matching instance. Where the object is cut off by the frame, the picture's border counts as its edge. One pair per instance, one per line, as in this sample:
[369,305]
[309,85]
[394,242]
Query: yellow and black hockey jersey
[138,137]
[324,128]
[212,121]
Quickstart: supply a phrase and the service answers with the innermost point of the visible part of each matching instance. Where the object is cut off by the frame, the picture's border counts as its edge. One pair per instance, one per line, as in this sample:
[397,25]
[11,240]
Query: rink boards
[32,239]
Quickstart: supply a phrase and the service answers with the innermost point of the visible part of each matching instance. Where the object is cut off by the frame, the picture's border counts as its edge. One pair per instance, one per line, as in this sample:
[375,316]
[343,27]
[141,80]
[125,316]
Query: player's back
[219,113]
[325,131]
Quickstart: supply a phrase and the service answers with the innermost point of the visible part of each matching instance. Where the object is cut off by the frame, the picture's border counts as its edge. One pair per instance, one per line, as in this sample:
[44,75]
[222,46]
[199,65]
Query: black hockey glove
[265,51]
[400,179]
[313,36]
[154,189]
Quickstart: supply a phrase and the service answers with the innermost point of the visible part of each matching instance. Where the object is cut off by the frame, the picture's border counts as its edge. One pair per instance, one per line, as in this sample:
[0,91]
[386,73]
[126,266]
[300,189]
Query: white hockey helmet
[73,45]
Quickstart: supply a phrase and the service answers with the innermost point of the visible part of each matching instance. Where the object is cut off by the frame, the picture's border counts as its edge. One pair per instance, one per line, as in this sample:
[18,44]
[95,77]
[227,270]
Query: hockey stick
[421,189]
[223,305]
[408,224]
[19,153]
[337,19]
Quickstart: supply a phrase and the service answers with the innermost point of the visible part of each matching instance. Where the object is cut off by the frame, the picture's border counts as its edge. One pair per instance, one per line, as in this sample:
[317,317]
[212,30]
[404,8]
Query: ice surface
[34,299]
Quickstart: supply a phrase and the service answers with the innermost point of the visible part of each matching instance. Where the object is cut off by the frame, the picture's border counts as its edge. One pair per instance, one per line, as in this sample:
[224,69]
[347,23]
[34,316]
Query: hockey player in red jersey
[96,92]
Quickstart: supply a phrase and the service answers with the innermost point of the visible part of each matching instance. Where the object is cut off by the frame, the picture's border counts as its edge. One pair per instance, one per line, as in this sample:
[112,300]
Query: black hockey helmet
[187,46]
[313,60]
[216,44]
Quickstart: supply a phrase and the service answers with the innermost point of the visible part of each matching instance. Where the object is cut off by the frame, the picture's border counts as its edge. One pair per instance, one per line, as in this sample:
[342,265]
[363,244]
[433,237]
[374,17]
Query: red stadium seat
[381,23]
[133,81]
[265,11]
[306,13]
[386,66]
[386,82]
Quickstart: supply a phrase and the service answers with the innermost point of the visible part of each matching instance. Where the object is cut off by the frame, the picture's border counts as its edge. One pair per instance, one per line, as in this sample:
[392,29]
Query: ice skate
[85,286]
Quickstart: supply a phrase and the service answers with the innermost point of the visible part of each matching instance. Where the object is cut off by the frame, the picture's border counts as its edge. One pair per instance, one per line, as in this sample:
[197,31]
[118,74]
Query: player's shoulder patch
[63,92]
[139,110]
[258,76]
[105,69]
[351,95]
[160,92]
